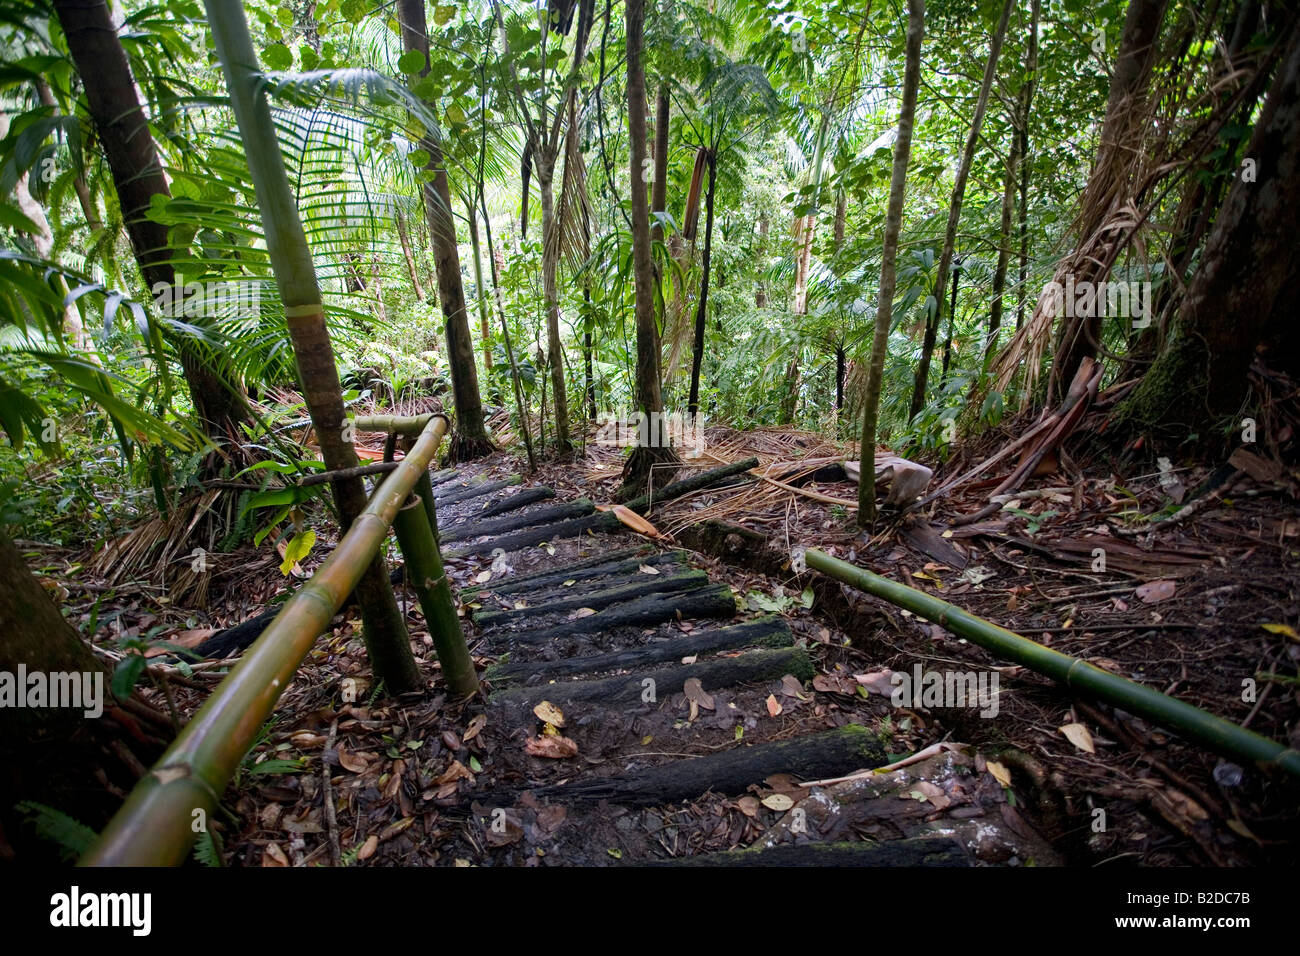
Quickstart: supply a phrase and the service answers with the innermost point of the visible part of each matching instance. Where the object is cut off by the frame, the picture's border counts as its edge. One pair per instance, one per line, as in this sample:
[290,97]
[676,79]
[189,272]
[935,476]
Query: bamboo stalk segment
[157,824]
[1219,735]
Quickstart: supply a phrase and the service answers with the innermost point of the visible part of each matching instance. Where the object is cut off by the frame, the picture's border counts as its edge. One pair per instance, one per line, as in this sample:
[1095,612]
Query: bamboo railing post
[425,572]
[171,804]
[1221,736]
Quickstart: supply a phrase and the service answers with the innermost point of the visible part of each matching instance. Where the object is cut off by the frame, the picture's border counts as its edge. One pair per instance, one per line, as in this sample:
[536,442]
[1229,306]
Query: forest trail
[635,714]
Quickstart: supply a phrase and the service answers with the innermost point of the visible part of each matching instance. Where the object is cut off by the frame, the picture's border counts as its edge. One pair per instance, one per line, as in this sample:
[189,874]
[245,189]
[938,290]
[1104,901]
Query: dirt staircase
[664,710]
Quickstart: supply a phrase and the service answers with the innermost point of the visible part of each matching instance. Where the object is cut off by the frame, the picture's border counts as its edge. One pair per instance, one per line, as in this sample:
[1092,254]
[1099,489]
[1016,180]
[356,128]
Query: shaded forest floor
[1193,609]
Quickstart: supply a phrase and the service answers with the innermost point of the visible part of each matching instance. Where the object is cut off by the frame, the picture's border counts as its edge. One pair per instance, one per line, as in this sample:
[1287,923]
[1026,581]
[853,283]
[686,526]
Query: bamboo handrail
[161,817]
[1218,734]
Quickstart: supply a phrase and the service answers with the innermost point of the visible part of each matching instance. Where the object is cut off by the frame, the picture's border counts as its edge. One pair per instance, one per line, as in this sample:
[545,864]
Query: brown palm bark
[132,155]
[472,439]
[653,452]
[404,236]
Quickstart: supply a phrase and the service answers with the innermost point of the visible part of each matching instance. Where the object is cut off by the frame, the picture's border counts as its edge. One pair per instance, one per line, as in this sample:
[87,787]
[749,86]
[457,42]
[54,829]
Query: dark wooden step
[476,527]
[810,757]
[453,495]
[600,521]
[559,599]
[770,631]
[518,500]
[714,673]
[711,601]
[623,561]
[913,851]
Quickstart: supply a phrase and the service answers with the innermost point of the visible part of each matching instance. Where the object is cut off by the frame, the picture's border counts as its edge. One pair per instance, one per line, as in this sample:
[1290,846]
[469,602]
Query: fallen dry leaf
[457,771]
[553,748]
[368,848]
[696,693]
[475,725]
[748,806]
[634,521]
[877,682]
[273,856]
[353,762]
[548,713]
[773,706]
[1153,592]
[1000,773]
[646,569]
[778,802]
[1078,735]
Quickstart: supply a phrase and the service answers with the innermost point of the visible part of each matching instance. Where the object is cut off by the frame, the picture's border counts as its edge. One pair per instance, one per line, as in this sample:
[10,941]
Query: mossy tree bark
[1243,294]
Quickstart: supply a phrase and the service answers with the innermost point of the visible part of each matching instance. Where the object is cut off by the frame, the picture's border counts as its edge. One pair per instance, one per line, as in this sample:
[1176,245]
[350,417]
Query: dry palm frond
[571,228]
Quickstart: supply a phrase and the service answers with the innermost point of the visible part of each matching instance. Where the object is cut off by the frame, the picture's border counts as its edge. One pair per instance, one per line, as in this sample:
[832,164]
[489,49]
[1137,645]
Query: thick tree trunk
[888,263]
[805,227]
[697,354]
[123,131]
[472,440]
[1243,291]
[954,213]
[654,449]
[1108,185]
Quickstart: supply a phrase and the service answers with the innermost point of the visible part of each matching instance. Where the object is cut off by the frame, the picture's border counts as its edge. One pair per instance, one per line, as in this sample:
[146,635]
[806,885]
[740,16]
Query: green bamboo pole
[160,818]
[1214,732]
[384,630]
[425,572]
[401,424]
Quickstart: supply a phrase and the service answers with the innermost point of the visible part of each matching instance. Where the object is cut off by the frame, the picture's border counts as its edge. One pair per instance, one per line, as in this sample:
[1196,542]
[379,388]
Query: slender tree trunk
[653,450]
[888,263]
[1005,239]
[760,289]
[485,326]
[659,189]
[472,440]
[495,260]
[697,355]
[384,628]
[839,377]
[123,130]
[551,297]
[405,238]
[1022,208]
[805,226]
[954,213]
[1244,290]
[952,317]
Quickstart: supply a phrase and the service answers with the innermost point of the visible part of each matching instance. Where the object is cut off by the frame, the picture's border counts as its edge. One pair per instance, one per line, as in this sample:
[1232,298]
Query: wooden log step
[623,561]
[477,527]
[573,528]
[714,674]
[687,485]
[451,497]
[559,600]
[714,600]
[520,499]
[769,631]
[913,851]
[811,757]
[442,477]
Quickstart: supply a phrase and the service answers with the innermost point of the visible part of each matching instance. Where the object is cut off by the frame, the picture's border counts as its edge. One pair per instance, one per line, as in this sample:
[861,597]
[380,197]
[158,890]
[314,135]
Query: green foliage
[72,837]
